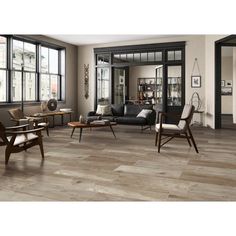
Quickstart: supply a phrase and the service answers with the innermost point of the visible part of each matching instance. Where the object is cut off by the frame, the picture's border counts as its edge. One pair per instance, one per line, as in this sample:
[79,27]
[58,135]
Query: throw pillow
[104,110]
[144,113]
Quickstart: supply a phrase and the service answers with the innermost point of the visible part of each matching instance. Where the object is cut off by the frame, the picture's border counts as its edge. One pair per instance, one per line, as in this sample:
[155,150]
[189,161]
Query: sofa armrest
[92,113]
[151,119]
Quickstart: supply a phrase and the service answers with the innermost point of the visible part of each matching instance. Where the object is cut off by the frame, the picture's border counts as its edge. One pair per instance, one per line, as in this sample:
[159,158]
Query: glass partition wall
[167,86]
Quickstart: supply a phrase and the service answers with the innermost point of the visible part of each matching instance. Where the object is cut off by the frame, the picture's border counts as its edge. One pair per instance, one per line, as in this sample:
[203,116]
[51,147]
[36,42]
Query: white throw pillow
[104,110]
[144,113]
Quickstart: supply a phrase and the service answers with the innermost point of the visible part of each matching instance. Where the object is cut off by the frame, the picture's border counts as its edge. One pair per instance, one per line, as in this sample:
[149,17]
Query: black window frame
[9,68]
[5,69]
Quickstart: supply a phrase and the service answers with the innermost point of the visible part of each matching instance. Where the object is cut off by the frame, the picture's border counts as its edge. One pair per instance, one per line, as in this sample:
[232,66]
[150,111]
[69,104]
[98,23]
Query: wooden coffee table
[81,126]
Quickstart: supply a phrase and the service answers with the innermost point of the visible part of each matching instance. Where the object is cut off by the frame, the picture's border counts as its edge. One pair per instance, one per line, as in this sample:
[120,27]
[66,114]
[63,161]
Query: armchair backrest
[16,114]
[187,114]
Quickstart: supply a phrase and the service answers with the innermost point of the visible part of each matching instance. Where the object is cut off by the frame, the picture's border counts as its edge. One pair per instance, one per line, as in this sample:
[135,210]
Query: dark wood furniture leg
[53,121]
[159,141]
[193,141]
[80,135]
[156,138]
[112,131]
[187,137]
[73,130]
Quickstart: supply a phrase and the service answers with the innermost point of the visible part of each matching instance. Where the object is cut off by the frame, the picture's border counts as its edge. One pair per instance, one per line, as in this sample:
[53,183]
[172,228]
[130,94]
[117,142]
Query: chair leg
[191,137]
[159,141]
[156,138]
[47,130]
[41,146]
[188,140]
[7,155]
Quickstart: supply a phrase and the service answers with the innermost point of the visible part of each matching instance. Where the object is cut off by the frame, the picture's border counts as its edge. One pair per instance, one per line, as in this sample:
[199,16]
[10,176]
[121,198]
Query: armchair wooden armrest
[17,127]
[24,131]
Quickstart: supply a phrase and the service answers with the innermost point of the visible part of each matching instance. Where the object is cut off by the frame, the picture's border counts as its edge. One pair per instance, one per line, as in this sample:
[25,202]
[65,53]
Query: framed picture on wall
[196,81]
[226,91]
[222,83]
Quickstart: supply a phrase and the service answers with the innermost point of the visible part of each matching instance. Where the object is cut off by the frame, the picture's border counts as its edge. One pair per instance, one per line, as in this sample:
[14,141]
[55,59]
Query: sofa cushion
[117,109]
[134,109]
[131,120]
[103,110]
[144,113]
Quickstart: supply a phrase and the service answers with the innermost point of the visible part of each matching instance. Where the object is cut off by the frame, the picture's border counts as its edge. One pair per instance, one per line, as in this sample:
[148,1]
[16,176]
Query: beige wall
[227,74]
[71,84]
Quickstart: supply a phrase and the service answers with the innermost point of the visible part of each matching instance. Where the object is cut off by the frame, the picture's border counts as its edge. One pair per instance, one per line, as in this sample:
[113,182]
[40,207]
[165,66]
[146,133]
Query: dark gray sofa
[127,115]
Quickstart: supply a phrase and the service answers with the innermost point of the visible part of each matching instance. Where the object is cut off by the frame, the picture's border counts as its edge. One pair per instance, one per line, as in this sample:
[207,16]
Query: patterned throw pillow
[144,113]
[104,110]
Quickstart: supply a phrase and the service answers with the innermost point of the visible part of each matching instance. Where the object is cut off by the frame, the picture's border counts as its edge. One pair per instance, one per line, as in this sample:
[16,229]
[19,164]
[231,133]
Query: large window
[23,58]
[32,68]
[49,79]
[3,67]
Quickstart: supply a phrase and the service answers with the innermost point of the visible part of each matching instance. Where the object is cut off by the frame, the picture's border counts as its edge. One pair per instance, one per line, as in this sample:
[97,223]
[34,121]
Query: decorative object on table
[227,91]
[81,119]
[52,104]
[222,83]
[196,76]
[86,80]
[196,101]
[44,106]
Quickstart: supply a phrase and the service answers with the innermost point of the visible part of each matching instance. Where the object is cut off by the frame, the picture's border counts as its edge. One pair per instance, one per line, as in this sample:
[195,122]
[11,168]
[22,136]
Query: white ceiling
[97,39]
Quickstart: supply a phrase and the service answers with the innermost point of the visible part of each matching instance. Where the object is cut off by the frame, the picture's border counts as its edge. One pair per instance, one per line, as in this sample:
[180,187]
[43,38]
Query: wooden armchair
[18,139]
[170,131]
[19,117]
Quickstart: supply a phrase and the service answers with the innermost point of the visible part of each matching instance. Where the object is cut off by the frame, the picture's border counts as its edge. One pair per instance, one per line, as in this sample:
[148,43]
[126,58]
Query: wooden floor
[128,168]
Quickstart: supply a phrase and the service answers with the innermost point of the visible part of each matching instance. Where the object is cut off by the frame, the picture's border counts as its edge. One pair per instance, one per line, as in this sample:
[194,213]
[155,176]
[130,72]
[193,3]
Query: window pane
[106,59]
[3,95]
[144,56]
[29,94]
[29,57]
[44,87]
[158,56]
[16,86]
[130,57]
[3,49]
[123,58]
[44,59]
[17,54]
[136,57]
[53,61]
[178,55]
[116,58]
[174,86]
[53,86]
[171,55]
[151,56]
